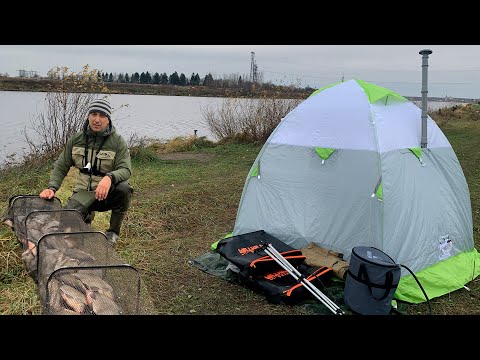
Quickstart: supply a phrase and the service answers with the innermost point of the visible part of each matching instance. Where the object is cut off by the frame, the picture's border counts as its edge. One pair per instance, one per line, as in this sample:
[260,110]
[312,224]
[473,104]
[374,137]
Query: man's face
[97,121]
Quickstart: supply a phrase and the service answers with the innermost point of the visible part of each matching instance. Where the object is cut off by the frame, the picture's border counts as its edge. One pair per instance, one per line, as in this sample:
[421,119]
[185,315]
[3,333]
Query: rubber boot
[120,201]
[116,220]
[90,217]
[113,231]
[111,237]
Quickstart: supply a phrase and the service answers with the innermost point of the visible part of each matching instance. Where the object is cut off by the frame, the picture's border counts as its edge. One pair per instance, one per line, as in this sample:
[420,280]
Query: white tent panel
[399,126]
[337,117]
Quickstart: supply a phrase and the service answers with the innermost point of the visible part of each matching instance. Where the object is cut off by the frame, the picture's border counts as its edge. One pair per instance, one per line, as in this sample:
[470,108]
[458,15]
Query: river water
[153,116]
[160,117]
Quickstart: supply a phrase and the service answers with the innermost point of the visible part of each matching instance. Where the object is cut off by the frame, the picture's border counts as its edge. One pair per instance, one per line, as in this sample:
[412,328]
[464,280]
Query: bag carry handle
[363,275]
[388,283]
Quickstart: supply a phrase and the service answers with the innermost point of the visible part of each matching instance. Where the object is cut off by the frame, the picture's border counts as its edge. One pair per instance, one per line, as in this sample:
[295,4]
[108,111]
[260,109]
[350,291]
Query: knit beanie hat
[101,105]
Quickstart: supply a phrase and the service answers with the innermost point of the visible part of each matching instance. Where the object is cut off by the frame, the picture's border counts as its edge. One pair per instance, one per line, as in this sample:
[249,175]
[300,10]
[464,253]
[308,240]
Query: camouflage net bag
[80,273]
[19,206]
[42,222]
[93,290]
[76,269]
[39,223]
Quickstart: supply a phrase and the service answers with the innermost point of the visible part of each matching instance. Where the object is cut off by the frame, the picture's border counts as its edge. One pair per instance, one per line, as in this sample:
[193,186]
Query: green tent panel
[214,245]
[377,93]
[443,277]
[417,151]
[254,170]
[323,88]
[324,153]
[379,191]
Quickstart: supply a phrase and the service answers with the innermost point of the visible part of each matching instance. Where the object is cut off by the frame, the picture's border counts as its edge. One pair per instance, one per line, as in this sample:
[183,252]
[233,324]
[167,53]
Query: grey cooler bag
[371,281]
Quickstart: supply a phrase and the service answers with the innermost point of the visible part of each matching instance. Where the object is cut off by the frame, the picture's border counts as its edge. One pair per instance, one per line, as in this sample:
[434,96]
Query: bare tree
[66,110]
[247,119]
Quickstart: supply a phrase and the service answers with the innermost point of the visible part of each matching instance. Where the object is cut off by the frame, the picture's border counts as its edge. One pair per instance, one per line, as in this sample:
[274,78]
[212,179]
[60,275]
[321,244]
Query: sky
[453,70]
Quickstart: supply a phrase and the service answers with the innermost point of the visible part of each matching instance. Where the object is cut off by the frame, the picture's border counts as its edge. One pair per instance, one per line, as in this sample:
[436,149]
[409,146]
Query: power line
[418,83]
[373,81]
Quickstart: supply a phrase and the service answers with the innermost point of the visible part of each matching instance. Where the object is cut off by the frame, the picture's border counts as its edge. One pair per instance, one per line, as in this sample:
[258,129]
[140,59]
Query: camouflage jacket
[113,157]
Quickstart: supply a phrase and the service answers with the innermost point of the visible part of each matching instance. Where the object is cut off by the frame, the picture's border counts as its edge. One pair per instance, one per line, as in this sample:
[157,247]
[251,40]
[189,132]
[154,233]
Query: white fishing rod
[275,255]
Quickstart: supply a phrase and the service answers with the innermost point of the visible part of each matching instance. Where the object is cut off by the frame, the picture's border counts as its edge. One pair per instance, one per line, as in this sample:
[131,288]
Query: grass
[179,208]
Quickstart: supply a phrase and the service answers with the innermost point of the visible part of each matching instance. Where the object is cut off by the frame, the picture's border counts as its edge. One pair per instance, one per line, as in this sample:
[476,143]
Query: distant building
[27,73]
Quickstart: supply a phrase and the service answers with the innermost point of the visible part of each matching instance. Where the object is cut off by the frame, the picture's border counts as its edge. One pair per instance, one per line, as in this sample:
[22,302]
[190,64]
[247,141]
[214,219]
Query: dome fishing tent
[345,169]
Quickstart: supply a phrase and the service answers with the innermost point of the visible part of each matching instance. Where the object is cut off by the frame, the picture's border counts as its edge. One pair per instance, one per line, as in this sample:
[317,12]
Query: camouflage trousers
[118,200]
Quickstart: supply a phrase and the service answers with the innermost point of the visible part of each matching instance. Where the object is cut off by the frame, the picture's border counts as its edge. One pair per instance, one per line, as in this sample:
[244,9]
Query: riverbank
[44,85]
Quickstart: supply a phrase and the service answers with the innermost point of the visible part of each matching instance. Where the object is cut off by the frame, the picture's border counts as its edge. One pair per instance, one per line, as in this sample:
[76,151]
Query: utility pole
[253,68]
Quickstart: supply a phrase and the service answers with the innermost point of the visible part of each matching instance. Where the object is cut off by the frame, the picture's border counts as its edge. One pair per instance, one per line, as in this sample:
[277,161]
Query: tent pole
[424,53]
[275,255]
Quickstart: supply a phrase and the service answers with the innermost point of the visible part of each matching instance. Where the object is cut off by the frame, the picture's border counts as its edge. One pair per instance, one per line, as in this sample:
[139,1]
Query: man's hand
[103,187]
[47,194]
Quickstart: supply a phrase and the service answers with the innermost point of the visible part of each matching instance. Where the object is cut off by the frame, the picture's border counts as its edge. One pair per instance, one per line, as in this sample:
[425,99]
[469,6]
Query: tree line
[155,79]
[227,81]
[163,79]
